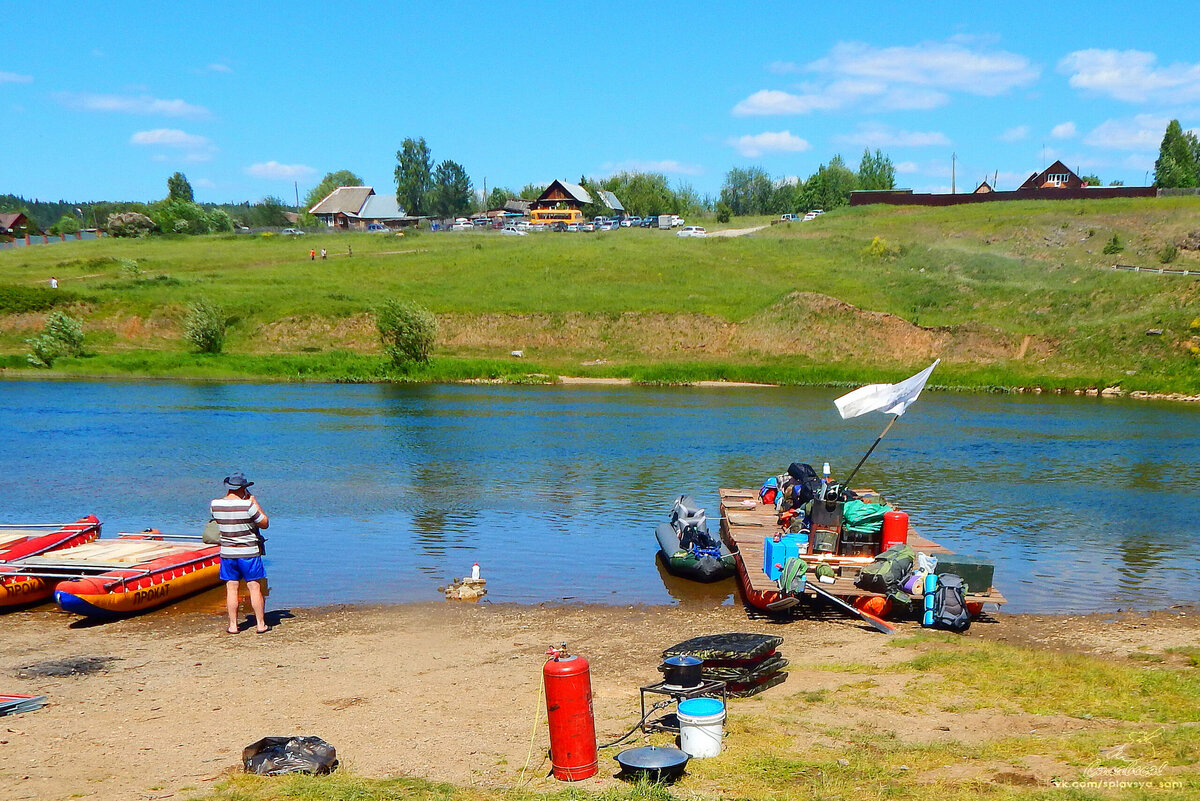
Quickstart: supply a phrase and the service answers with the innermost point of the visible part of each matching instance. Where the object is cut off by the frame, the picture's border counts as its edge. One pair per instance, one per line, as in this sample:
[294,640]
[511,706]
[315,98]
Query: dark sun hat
[237,481]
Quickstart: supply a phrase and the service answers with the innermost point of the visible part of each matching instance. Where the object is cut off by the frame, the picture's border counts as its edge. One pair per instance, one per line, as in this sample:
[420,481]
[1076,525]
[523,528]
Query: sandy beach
[439,691]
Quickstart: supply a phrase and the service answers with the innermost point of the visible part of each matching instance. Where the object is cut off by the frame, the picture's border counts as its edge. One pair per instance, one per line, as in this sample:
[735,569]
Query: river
[381,493]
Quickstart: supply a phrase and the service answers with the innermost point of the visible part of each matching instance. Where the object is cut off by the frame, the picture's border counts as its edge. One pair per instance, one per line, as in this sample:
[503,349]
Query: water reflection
[382,493]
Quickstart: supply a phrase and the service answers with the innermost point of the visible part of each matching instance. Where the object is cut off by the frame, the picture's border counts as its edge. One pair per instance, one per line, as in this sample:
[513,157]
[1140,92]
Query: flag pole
[886,429]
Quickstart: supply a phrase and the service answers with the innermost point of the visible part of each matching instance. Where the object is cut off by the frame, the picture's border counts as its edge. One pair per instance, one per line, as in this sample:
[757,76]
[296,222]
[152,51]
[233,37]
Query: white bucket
[701,726]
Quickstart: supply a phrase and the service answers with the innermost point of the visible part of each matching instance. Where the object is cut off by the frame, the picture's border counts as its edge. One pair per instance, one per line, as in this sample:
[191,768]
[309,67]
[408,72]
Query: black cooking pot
[682,671]
[658,764]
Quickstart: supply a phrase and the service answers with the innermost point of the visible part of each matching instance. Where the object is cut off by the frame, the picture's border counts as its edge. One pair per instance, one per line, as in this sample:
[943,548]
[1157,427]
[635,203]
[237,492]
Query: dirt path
[736,231]
[443,691]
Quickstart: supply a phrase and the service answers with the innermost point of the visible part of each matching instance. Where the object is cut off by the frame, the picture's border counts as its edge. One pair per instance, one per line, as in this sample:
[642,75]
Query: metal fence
[48,239]
[1158,270]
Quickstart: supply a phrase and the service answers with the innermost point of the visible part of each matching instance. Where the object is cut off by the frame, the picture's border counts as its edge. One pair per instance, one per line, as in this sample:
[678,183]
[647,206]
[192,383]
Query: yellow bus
[552,216]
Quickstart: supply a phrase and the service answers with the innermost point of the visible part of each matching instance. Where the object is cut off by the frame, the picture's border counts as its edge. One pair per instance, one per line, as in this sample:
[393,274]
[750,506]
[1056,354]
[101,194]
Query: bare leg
[256,603]
[231,605]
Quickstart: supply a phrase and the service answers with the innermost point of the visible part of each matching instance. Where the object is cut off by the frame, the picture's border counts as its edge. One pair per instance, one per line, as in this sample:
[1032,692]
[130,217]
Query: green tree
[62,336]
[724,213]
[204,327]
[330,182]
[829,187]
[1091,180]
[268,213]
[642,193]
[747,191]
[498,197]
[532,191]
[1176,165]
[178,188]
[67,224]
[451,194]
[875,171]
[414,176]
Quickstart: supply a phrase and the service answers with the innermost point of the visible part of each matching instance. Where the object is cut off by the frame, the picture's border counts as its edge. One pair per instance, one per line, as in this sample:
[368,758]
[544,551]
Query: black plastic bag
[272,756]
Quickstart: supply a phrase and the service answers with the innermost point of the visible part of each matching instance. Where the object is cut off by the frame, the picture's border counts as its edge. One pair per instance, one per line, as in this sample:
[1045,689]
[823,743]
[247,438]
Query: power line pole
[296,186]
[953,173]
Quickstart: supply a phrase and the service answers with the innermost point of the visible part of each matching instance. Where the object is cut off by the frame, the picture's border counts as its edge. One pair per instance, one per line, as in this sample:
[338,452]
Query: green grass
[976,278]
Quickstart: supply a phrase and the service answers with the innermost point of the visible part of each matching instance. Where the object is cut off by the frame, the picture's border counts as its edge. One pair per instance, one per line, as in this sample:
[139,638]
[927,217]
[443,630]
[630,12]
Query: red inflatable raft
[20,542]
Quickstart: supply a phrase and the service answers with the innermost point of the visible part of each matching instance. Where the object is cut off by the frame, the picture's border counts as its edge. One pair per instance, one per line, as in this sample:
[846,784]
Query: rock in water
[466,589]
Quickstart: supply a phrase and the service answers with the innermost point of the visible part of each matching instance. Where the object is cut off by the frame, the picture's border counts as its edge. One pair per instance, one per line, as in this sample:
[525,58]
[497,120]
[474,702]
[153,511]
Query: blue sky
[245,99]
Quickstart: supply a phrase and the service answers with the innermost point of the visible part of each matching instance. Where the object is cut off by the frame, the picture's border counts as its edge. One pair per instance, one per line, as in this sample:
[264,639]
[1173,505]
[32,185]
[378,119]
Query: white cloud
[13,77]
[168,137]
[917,77]
[274,171]
[125,104]
[668,166]
[1016,134]
[881,136]
[204,183]
[1064,130]
[1142,133]
[906,167]
[769,142]
[219,68]
[1131,75]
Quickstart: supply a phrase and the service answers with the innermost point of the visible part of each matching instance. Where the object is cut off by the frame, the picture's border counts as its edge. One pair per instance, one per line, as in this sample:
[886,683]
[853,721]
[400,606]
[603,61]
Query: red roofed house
[11,221]
[1056,176]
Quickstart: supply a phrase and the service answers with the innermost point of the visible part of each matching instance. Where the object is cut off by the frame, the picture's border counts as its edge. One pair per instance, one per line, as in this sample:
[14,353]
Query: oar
[879,623]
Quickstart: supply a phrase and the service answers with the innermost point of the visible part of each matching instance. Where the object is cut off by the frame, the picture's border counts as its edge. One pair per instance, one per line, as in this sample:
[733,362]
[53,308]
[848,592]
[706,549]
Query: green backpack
[888,571]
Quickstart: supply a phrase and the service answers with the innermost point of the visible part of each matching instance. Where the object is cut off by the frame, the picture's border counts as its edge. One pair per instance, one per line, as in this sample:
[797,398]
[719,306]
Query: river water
[381,493]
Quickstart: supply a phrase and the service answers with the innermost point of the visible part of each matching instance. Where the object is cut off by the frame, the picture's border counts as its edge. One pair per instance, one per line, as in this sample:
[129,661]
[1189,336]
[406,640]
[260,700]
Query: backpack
[950,604]
[793,576]
[770,489]
[888,571]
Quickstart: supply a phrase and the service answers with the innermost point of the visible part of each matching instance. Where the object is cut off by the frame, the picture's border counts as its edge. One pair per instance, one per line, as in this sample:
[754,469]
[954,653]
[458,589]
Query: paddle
[879,623]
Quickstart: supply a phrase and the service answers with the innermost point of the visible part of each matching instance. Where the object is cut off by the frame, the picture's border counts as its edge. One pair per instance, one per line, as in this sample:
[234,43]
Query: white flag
[886,398]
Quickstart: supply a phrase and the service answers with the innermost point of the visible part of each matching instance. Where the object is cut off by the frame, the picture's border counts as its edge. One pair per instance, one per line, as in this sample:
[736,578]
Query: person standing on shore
[239,517]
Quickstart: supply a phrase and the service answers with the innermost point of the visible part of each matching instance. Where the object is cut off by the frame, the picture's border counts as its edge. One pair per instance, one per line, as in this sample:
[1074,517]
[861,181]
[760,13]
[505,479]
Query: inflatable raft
[20,542]
[136,572]
[687,549]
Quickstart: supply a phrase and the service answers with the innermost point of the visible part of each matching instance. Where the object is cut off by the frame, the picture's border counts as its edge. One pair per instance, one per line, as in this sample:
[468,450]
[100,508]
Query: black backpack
[950,604]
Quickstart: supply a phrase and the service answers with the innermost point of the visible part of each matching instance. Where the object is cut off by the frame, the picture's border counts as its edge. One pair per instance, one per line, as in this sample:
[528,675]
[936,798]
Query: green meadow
[1007,294]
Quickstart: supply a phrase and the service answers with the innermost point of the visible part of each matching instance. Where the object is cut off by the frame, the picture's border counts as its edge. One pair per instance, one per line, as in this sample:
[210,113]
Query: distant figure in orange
[312,255]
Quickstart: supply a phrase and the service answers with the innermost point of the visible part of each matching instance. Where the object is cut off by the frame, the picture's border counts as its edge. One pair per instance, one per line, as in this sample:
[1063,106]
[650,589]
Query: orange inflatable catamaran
[18,542]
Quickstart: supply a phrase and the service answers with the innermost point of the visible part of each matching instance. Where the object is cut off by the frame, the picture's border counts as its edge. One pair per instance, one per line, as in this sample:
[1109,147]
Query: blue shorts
[250,569]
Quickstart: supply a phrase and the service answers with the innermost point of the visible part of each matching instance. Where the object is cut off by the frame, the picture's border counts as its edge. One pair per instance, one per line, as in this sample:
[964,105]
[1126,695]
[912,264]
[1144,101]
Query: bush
[881,250]
[1113,246]
[406,330]
[67,224]
[129,224]
[724,213]
[1168,253]
[130,269]
[62,336]
[204,327]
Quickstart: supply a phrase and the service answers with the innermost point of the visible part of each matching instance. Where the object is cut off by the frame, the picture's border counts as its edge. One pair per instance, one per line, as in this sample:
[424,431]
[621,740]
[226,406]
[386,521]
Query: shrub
[1113,246]
[406,330]
[61,336]
[130,269]
[67,224]
[204,327]
[20,299]
[724,213]
[1168,253]
[881,250]
[128,223]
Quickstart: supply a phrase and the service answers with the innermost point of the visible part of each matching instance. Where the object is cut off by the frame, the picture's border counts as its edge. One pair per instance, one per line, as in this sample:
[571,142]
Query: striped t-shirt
[238,520]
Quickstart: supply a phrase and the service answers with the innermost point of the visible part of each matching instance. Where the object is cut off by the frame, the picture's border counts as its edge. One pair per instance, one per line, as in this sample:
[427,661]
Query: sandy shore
[442,691]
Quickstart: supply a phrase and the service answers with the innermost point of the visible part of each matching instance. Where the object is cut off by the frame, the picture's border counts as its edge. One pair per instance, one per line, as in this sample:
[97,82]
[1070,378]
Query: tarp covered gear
[690,520]
[726,646]
[863,518]
[887,398]
[747,662]
[272,756]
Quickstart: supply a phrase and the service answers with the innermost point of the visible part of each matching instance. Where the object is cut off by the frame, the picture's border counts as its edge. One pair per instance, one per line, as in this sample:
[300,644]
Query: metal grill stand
[713,688]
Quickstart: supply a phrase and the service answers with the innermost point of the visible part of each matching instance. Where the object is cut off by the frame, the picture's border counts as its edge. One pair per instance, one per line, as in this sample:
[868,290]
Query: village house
[1056,176]
[13,223]
[561,194]
[356,207]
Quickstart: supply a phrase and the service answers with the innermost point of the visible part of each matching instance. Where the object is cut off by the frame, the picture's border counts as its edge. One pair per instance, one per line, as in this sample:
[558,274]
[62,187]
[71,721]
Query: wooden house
[1056,176]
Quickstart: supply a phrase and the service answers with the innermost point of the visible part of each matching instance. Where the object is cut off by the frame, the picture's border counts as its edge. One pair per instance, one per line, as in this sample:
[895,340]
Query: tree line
[751,190]
[1178,162]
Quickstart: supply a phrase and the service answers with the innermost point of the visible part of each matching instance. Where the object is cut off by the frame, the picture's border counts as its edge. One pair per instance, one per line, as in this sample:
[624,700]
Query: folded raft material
[15,704]
[747,663]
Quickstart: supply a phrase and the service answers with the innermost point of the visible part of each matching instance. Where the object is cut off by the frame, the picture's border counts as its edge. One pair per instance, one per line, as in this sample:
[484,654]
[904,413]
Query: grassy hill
[1007,294]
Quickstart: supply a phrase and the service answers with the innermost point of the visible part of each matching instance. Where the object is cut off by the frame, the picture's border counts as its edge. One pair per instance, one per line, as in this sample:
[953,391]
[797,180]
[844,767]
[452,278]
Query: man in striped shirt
[239,517]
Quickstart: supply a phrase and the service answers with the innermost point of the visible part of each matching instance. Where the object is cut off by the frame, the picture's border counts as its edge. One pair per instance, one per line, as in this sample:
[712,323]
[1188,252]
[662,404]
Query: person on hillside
[323,254]
[53,282]
[312,254]
[240,518]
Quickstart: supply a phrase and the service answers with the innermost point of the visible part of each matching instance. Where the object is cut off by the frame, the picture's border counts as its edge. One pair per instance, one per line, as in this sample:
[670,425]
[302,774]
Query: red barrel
[895,529]
[569,713]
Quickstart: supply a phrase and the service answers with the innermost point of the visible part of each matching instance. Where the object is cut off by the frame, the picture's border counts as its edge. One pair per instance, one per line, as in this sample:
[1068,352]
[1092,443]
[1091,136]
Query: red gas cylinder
[569,713]
[895,529]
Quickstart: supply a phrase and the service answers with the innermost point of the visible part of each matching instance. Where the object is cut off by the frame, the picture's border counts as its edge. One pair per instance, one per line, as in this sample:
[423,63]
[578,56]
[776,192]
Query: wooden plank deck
[745,522]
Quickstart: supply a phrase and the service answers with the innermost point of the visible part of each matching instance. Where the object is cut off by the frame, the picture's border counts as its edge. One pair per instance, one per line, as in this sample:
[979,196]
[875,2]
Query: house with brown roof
[357,207]
[561,194]
[1056,176]
[11,222]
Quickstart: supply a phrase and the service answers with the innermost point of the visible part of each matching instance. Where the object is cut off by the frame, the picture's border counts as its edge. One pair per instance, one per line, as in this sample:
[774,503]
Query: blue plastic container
[775,554]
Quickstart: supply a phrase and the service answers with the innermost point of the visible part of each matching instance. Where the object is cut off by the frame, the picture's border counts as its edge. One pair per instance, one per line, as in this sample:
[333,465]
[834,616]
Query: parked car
[587,226]
[378,227]
[461,225]
[538,228]
[481,222]
[292,232]
[787,217]
[648,222]
[809,217]
[572,227]
[522,225]
[676,221]
[512,230]
[691,230]
[631,222]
